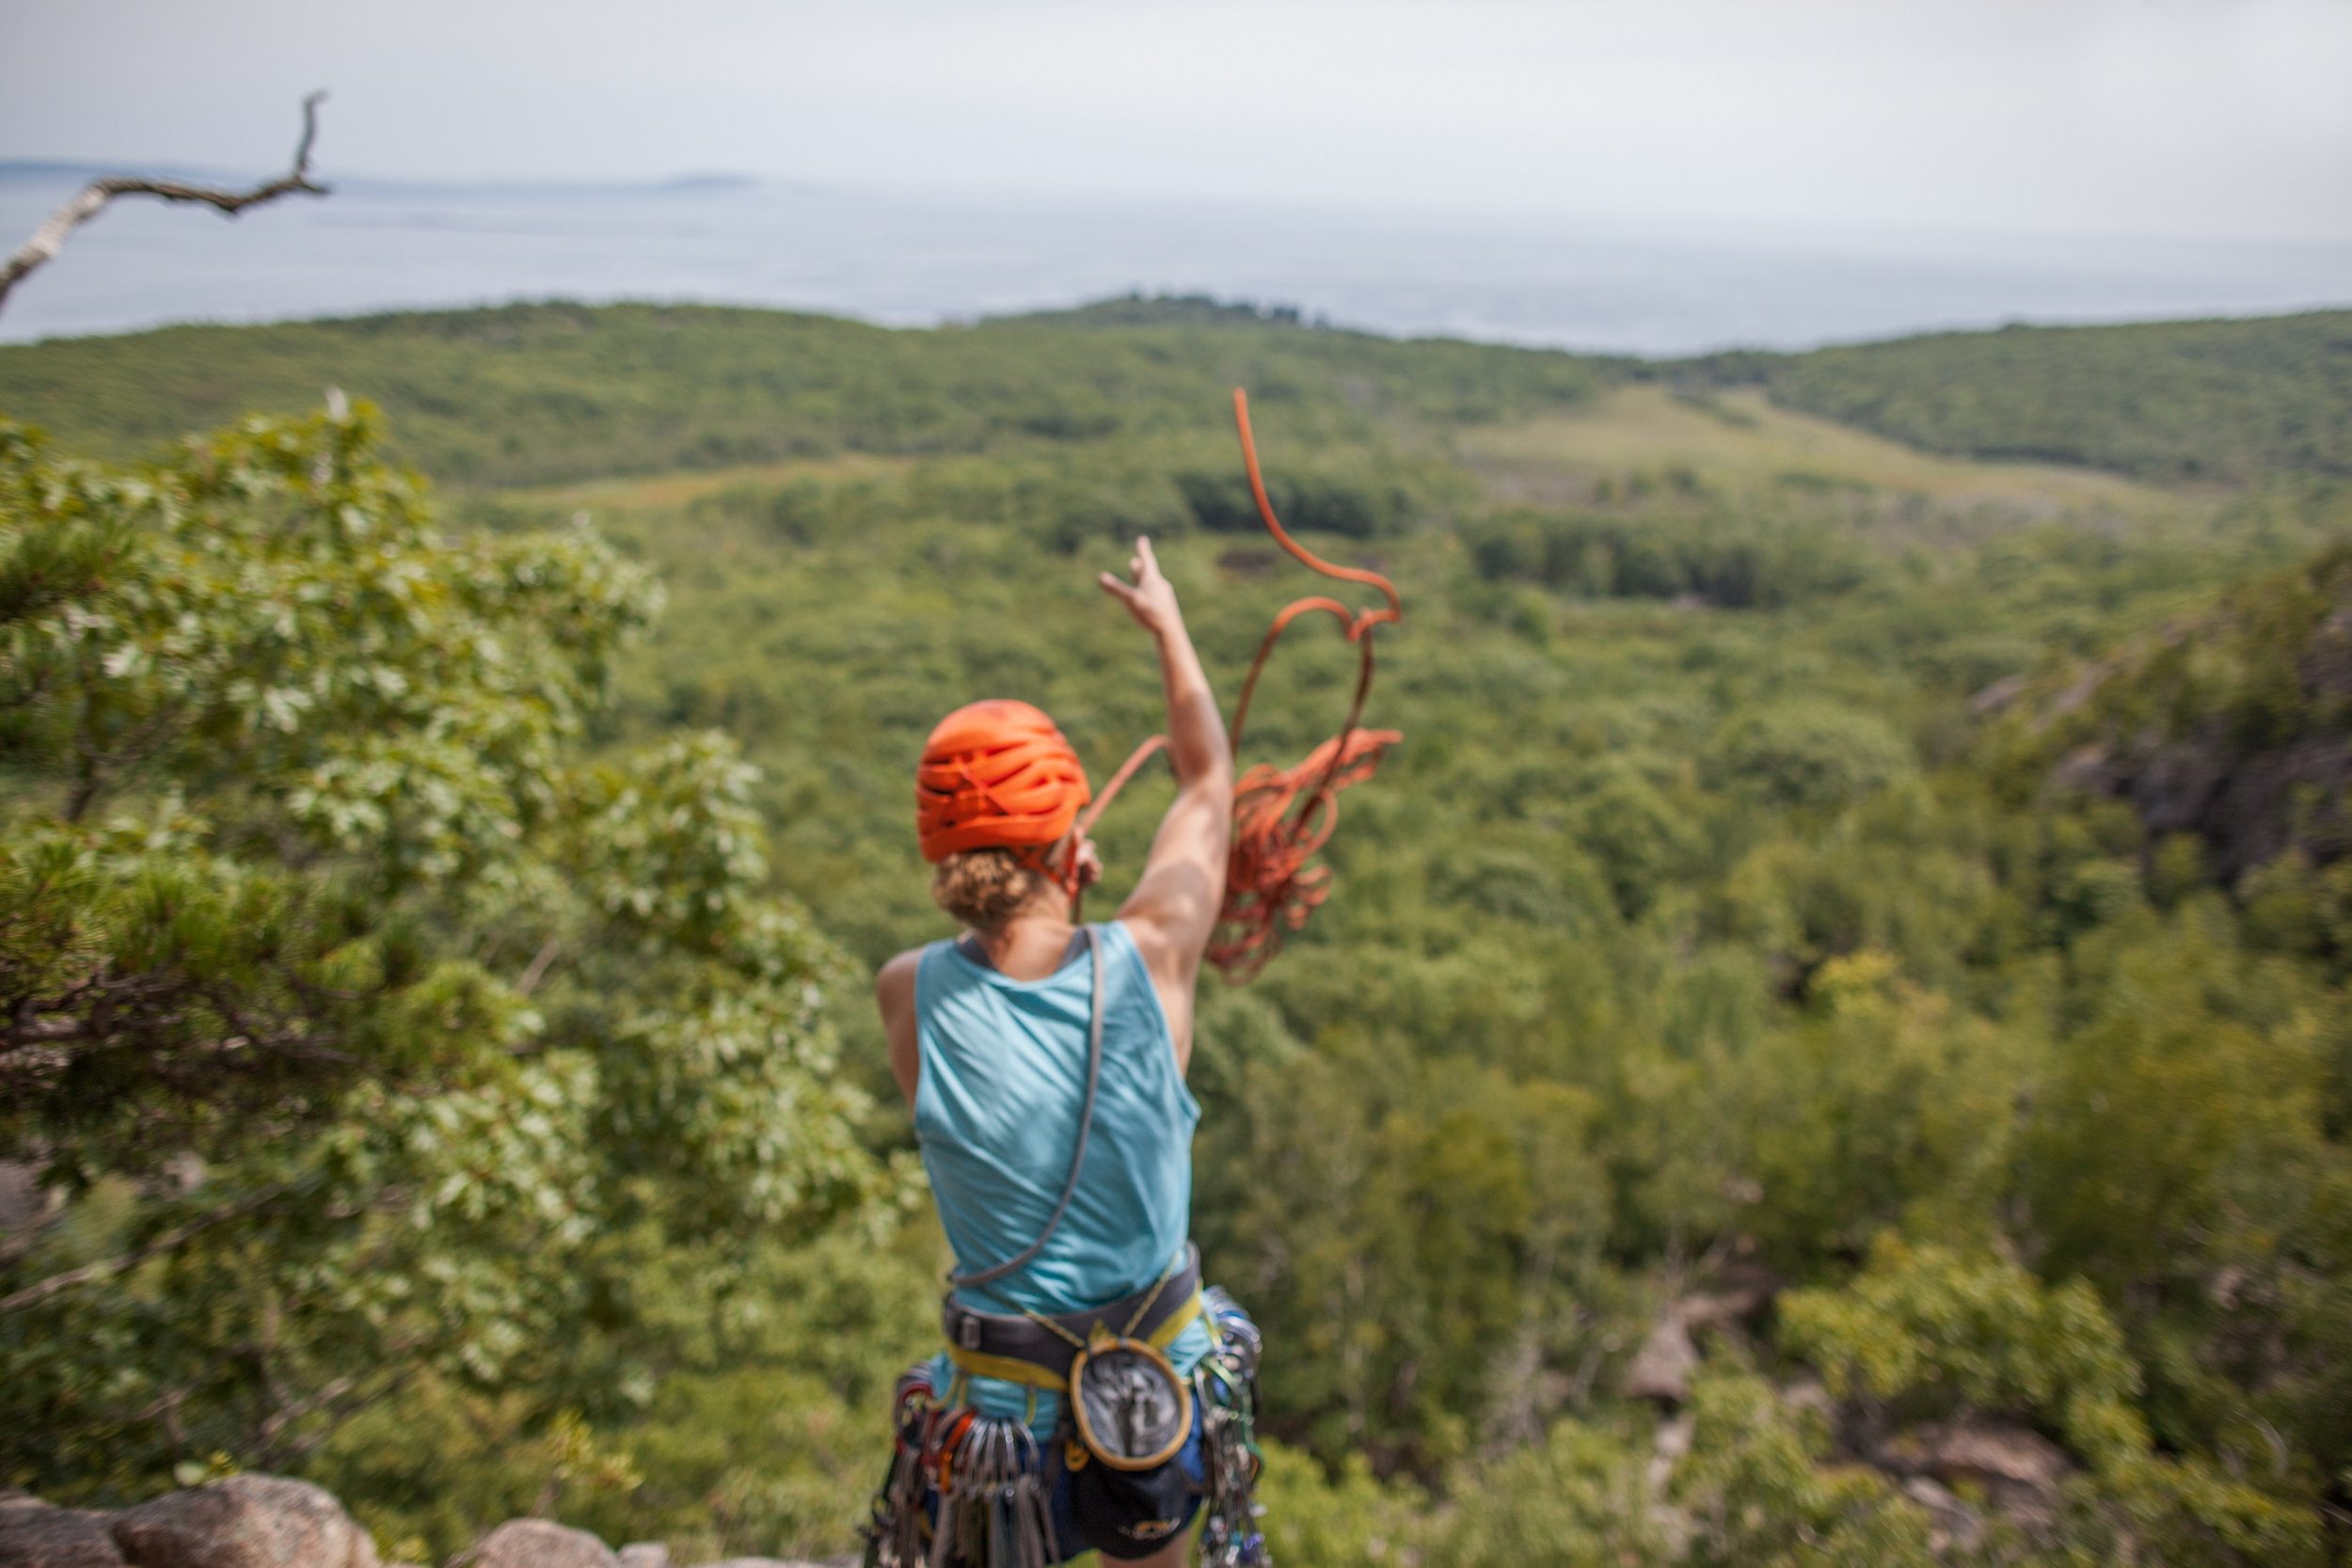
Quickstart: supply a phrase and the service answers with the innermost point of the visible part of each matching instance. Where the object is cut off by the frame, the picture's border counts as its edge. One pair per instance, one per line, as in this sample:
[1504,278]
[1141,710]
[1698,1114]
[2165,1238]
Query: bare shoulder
[895,982]
[894,993]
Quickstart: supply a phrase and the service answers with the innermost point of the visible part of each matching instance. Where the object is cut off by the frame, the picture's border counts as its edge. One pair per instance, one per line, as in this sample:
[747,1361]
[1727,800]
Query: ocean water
[1601,284]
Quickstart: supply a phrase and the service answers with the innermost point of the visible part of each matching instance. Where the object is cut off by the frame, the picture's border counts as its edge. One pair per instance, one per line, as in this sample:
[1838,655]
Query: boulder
[1990,1453]
[252,1521]
[543,1544]
[35,1534]
[1806,1393]
[1661,1368]
[645,1554]
[2015,1467]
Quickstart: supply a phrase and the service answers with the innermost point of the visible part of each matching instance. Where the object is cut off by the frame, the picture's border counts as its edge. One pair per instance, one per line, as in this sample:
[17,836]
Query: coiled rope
[1283,815]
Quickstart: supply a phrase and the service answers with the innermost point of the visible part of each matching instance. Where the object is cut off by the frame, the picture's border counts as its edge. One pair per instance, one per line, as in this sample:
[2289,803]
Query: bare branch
[538,968]
[51,236]
[178,1235]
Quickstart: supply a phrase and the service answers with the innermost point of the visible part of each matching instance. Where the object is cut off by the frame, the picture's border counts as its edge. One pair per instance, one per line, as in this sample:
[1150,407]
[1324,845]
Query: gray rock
[245,1522]
[1671,1442]
[2017,1468]
[1984,1451]
[1806,1393]
[645,1554]
[1956,1523]
[542,1543]
[1661,1368]
[34,1534]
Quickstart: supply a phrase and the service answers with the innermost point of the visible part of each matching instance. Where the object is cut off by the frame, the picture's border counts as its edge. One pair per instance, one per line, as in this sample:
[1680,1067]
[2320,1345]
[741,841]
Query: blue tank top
[1004,1066]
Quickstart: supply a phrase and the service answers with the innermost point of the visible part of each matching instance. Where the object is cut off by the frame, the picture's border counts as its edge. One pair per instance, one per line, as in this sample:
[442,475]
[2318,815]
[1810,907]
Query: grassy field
[1741,441]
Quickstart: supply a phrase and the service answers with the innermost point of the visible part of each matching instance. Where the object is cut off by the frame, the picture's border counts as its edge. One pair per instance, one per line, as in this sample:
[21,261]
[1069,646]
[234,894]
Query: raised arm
[1172,911]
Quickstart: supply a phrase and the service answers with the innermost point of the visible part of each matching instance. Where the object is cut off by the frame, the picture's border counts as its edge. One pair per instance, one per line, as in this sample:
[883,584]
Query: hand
[1150,598]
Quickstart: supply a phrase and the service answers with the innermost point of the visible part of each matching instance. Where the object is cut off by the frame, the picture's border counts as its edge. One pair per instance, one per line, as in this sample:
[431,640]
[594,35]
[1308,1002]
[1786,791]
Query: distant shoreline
[1599,285]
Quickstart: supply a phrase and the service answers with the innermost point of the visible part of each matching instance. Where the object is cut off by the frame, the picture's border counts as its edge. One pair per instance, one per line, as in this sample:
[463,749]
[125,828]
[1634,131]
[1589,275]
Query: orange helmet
[997,775]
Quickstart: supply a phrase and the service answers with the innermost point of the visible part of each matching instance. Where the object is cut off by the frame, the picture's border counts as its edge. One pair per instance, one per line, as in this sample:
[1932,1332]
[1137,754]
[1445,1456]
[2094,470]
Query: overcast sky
[2227,118]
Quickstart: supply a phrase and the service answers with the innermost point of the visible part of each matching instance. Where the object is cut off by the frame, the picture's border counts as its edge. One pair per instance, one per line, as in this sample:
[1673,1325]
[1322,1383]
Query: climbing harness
[1039,1349]
[980,1491]
[1283,815]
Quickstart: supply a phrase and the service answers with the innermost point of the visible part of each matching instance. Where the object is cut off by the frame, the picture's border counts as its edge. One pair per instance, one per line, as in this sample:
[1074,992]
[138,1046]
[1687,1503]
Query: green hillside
[534,392]
[2216,401]
[1727,946]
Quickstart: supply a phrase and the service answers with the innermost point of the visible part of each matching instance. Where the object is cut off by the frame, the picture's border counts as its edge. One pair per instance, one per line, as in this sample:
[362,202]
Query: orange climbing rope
[1283,815]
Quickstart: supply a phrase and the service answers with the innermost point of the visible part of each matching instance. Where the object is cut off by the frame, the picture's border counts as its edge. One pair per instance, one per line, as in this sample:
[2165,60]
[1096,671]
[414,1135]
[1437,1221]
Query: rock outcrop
[243,1521]
[2013,1467]
[542,1543]
[35,1534]
[1661,1369]
[256,1521]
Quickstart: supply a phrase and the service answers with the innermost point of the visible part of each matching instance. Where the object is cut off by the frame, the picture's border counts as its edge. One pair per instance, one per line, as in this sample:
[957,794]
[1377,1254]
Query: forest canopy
[1780,938]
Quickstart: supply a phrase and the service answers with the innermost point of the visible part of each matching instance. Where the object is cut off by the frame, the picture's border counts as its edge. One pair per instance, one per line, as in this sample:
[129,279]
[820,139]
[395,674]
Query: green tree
[348,1010]
[1934,1331]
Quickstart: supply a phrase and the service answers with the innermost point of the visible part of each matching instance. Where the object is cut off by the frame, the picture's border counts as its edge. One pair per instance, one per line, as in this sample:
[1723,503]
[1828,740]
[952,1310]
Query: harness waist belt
[1036,1348]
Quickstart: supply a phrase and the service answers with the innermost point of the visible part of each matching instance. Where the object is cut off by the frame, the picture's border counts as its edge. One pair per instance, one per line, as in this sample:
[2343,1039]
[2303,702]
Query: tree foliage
[354,1008]
[1744,909]
[2215,401]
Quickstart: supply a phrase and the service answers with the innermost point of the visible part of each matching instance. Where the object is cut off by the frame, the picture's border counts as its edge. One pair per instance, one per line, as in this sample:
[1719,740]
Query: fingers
[1123,592]
[1145,561]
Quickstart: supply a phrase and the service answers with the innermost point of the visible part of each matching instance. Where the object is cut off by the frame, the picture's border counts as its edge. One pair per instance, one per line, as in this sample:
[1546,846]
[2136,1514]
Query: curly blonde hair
[983,887]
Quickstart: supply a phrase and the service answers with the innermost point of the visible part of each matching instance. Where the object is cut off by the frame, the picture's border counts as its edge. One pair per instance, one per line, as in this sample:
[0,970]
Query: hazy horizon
[1598,284]
[1638,176]
[2212,118]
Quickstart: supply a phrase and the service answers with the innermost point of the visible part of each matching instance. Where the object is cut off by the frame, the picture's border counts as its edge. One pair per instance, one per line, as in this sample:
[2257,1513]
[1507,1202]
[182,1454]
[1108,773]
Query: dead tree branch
[51,237]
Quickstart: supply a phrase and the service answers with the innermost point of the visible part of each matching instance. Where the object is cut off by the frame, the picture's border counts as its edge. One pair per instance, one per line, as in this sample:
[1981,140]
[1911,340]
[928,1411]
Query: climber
[1091,1392]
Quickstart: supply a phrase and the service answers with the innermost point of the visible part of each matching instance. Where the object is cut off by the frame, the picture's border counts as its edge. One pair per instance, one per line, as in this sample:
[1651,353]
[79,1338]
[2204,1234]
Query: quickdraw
[963,1488]
[1226,1382]
[1269,887]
